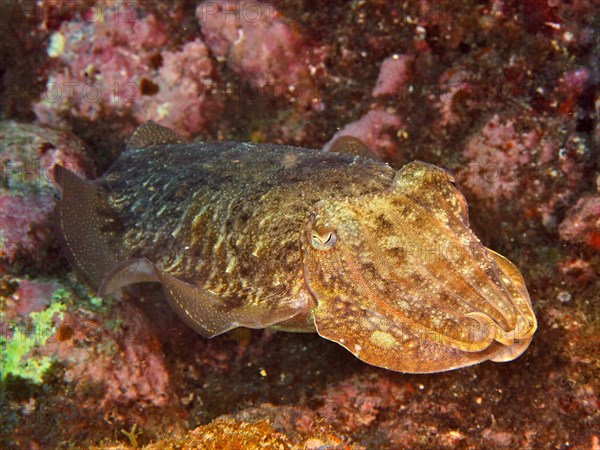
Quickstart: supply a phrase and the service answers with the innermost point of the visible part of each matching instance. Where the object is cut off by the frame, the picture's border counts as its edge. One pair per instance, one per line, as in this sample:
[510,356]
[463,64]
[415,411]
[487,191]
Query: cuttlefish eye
[322,238]
[452,181]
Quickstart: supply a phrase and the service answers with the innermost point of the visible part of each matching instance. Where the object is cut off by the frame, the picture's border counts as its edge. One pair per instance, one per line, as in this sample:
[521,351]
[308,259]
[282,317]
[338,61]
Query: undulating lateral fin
[128,272]
[208,315]
[201,309]
[351,145]
[149,134]
[83,223]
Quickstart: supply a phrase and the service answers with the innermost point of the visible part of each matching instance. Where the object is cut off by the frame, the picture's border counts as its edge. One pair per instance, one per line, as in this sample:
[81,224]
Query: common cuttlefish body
[382,262]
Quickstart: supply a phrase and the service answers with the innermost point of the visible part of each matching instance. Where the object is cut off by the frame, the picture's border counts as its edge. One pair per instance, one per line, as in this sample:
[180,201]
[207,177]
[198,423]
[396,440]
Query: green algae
[17,355]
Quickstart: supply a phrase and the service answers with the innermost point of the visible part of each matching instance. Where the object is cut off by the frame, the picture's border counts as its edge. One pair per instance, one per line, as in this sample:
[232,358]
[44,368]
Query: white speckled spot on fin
[149,134]
[201,309]
[351,145]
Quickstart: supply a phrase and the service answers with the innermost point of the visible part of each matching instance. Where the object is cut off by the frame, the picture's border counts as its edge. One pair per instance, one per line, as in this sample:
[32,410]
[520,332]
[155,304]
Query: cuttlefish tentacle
[515,286]
[459,300]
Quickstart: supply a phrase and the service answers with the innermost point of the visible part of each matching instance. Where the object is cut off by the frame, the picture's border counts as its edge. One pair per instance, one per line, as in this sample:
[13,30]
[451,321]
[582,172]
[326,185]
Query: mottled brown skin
[432,298]
[240,234]
[228,215]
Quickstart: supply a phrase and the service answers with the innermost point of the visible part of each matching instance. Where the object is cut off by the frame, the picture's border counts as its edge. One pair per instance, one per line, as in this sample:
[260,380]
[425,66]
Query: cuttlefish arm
[378,333]
[401,281]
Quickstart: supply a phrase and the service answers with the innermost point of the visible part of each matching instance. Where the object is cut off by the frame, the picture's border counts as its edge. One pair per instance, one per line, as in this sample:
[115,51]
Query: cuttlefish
[383,262]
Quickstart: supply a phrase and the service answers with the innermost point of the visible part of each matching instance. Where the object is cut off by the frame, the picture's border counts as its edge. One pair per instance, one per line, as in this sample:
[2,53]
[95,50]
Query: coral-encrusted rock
[453,88]
[30,310]
[28,193]
[266,427]
[113,66]
[102,360]
[577,270]
[183,90]
[101,65]
[537,164]
[582,223]
[374,129]
[357,401]
[496,155]
[394,75]
[259,46]
[24,225]
[116,349]
[126,362]
[30,296]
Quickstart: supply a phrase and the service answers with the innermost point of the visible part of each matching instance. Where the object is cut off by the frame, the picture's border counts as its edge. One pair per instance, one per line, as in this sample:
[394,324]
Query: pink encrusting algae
[119,65]
[375,129]
[255,41]
[28,193]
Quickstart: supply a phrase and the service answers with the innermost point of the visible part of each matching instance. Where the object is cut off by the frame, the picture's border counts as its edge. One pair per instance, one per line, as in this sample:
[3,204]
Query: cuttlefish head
[401,281]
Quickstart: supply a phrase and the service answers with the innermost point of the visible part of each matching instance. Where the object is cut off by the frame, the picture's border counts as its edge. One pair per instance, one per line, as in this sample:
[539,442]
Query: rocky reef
[505,94]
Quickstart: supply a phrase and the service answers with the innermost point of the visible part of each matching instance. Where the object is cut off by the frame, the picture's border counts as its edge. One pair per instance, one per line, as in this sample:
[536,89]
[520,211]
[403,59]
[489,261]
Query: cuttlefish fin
[351,145]
[84,225]
[149,134]
[137,270]
[204,311]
